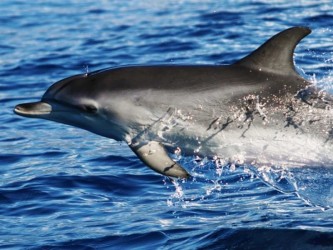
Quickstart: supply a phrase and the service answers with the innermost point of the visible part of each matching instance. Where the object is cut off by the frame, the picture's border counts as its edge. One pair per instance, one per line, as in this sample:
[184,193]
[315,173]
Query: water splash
[211,178]
[314,185]
[178,196]
[277,177]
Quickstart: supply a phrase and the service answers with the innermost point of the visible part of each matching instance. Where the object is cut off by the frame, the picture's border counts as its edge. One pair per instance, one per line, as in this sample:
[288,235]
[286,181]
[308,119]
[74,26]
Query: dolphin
[256,111]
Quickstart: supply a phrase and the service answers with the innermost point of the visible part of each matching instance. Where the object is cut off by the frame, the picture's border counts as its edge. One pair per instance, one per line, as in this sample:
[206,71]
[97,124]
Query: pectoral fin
[154,155]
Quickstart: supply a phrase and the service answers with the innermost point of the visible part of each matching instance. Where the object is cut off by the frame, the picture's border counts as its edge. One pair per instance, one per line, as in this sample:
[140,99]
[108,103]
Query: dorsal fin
[276,55]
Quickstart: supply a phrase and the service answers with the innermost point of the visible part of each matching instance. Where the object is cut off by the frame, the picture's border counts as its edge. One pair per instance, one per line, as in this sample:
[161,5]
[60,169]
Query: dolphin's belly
[259,145]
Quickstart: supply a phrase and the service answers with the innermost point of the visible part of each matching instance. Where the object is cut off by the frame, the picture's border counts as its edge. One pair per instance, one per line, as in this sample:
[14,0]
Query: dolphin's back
[269,67]
[272,61]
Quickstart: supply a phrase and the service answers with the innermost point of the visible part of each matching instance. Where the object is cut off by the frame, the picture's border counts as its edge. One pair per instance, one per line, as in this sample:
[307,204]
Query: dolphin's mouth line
[24,113]
[18,111]
[34,109]
[43,108]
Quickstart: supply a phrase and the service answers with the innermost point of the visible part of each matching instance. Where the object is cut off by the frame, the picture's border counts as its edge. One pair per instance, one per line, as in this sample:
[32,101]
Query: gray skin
[256,111]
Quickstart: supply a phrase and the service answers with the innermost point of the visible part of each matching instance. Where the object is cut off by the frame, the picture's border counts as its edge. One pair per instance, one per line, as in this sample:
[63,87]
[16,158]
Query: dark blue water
[64,188]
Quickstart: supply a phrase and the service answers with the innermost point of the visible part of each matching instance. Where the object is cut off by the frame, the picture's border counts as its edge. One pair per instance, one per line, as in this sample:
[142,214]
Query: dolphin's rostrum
[258,110]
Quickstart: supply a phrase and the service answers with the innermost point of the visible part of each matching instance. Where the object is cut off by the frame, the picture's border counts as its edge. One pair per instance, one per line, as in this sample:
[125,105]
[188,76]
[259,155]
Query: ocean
[66,188]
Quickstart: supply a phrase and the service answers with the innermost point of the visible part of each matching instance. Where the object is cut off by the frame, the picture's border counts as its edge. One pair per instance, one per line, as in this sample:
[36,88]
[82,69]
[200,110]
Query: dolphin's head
[78,101]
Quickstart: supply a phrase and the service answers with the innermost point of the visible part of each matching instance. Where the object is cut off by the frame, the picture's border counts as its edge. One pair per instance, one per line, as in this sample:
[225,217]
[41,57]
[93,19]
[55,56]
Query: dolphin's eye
[90,108]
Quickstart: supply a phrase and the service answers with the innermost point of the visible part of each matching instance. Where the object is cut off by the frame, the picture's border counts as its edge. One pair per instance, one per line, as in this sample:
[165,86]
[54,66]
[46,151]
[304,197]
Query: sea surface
[65,188]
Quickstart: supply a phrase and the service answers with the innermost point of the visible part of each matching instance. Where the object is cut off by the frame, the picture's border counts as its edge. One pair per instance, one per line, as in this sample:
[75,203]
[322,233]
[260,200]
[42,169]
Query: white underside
[260,145]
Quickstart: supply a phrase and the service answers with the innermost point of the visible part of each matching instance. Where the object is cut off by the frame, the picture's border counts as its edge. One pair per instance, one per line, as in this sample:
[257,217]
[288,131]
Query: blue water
[65,188]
